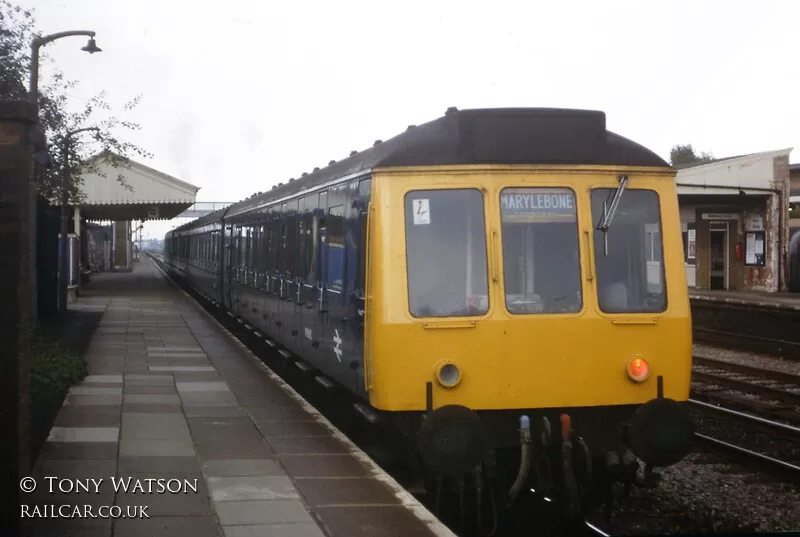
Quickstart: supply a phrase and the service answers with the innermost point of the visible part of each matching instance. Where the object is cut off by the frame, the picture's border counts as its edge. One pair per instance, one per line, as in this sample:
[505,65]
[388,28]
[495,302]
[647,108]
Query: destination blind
[537,205]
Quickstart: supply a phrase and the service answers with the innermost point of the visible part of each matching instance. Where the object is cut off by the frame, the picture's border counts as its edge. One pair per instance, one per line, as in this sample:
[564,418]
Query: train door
[719,265]
[293,326]
[314,296]
[356,265]
[230,251]
[308,303]
[321,297]
[271,282]
[238,261]
[282,283]
[335,285]
[308,274]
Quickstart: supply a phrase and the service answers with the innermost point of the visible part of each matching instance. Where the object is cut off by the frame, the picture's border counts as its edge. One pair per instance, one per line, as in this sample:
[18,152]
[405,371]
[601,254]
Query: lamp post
[63,282]
[39,42]
[33,96]
[139,240]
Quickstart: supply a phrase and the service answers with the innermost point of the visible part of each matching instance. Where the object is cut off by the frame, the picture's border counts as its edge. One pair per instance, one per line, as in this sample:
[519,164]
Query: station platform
[172,395]
[788,301]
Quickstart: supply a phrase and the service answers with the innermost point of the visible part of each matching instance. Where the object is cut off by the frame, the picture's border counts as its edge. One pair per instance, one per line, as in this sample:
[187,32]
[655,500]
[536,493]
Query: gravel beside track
[701,494]
[748,358]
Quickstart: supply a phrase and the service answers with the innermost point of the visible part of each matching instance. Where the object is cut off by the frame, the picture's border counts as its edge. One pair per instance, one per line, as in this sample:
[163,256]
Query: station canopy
[147,194]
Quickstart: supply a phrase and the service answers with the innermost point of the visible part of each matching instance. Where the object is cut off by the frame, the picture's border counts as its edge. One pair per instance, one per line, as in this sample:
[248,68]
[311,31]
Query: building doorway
[719,255]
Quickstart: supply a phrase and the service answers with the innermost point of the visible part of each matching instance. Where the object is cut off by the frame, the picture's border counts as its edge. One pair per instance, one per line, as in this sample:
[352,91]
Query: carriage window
[541,255]
[629,256]
[446,253]
[336,249]
[273,245]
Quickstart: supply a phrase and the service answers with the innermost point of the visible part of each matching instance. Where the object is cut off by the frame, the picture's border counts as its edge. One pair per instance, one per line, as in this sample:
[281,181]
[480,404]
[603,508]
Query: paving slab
[279,530]
[160,390]
[229,489]
[168,526]
[262,512]
[159,399]
[242,468]
[103,379]
[94,390]
[93,400]
[141,447]
[181,368]
[83,434]
[200,386]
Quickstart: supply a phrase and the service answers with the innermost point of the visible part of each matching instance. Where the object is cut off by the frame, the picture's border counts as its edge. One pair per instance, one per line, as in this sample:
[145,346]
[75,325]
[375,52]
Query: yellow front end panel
[522,360]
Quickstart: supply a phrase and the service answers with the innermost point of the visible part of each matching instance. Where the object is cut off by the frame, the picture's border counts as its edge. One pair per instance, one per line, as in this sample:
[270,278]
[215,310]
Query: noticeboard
[755,249]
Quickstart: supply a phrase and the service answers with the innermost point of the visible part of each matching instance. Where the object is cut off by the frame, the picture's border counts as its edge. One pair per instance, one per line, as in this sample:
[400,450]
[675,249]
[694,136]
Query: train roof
[477,136]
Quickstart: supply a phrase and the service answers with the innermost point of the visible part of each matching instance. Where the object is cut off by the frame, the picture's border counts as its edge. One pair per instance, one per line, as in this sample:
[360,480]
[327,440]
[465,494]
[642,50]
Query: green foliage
[17,32]
[52,372]
[685,155]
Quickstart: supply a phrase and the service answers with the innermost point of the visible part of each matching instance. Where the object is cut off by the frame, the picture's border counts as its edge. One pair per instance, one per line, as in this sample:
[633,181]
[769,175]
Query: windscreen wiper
[609,210]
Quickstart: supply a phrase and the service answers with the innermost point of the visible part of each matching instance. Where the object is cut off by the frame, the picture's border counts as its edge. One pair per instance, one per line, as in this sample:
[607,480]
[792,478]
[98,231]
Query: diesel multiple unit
[504,287]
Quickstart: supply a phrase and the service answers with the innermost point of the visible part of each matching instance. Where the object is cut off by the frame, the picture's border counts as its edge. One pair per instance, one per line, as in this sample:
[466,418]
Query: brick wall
[16,118]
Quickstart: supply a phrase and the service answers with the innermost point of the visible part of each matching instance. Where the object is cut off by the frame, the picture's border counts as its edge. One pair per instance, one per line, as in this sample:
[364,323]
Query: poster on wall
[750,255]
[691,242]
[756,223]
[754,249]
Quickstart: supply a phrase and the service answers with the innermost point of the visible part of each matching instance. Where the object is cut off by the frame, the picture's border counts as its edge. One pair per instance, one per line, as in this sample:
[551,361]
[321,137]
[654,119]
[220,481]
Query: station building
[101,232]
[734,216]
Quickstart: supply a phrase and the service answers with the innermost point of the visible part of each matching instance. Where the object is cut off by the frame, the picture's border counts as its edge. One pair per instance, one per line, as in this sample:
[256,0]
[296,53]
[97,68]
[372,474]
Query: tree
[683,156]
[17,31]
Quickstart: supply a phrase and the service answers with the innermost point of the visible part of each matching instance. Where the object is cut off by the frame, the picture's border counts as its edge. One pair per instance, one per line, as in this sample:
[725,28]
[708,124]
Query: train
[505,288]
[794,260]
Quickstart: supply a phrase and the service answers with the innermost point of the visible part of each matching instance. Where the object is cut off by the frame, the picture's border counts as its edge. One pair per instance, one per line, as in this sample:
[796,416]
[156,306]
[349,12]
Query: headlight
[448,374]
[637,368]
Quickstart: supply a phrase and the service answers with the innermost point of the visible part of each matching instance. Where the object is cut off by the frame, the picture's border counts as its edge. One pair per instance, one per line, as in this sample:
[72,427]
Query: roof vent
[410,127]
[331,162]
[451,110]
[353,152]
[377,142]
[316,169]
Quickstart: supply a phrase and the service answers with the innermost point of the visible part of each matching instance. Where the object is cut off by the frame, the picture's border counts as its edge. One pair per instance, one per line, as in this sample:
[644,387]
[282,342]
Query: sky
[240,95]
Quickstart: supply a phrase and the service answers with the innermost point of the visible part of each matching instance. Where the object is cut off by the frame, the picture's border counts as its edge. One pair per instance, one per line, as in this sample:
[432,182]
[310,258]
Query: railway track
[728,389]
[782,441]
[765,392]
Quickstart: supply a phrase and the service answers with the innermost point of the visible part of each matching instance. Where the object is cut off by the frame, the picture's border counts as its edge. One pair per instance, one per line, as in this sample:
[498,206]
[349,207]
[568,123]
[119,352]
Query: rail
[774,425]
